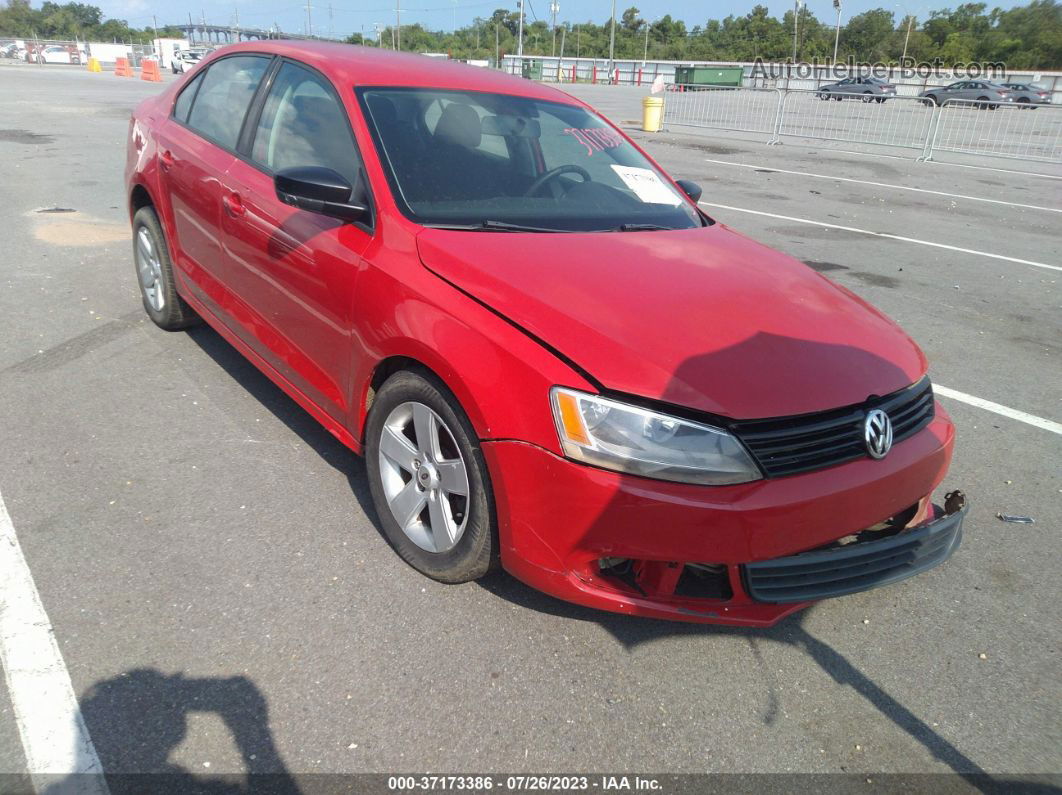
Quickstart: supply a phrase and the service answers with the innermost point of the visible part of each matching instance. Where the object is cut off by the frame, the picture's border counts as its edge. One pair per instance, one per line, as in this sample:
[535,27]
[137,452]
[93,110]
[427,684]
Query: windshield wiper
[641,228]
[494,226]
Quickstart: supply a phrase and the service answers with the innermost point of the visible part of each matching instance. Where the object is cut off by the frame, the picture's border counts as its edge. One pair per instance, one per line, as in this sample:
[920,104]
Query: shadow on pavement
[139,717]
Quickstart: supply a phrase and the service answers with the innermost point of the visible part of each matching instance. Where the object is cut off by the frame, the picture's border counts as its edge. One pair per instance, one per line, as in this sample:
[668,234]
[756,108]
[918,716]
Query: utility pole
[578,38]
[453,29]
[907,38]
[612,44]
[330,21]
[191,30]
[837,31]
[497,48]
[158,44]
[564,29]
[645,54]
[554,7]
[398,24]
[520,35]
[309,19]
[237,10]
[796,17]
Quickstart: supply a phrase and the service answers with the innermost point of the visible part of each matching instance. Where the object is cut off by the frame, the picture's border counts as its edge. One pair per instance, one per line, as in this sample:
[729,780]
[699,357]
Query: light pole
[520,35]
[612,44]
[796,16]
[837,30]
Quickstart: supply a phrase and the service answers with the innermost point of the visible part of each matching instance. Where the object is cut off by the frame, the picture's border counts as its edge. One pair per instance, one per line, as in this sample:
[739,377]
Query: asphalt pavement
[224,602]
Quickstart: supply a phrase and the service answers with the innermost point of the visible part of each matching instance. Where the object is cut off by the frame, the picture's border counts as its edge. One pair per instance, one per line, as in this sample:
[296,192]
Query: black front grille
[790,445]
[856,567]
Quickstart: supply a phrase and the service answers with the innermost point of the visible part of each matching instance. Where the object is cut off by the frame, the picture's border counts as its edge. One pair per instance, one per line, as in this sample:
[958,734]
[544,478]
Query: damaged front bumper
[859,566]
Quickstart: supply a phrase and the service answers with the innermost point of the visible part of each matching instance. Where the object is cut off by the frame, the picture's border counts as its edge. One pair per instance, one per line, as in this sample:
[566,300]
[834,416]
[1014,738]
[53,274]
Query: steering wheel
[553,173]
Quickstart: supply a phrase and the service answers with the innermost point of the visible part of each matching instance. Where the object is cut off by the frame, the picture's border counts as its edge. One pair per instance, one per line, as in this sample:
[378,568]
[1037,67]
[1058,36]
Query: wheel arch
[140,197]
[418,359]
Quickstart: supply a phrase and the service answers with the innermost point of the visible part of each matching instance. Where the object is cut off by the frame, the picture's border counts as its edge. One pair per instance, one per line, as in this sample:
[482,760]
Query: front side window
[303,124]
[464,158]
[223,98]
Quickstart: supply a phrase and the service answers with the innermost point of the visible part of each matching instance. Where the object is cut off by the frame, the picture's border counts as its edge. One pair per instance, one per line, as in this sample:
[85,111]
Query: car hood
[704,318]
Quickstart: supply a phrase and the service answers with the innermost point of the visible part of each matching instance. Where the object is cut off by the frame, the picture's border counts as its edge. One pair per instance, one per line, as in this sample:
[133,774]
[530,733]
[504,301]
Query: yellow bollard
[94,65]
[652,113]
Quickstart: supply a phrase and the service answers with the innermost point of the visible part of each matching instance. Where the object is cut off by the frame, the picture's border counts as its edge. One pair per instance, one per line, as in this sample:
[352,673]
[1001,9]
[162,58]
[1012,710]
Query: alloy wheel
[149,268]
[424,477]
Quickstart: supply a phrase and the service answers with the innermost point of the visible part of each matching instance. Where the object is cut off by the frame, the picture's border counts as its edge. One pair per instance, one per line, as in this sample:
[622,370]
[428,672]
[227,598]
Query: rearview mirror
[318,190]
[690,188]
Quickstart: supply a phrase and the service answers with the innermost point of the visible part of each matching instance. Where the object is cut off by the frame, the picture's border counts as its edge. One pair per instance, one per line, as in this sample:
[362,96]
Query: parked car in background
[62,53]
[184,60]
[1028,94]
[970,90]
[551,358]
[865,88]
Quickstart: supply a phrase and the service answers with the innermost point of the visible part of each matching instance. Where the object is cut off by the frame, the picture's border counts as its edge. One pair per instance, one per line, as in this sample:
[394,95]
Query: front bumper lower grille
[860,566]
[789,445]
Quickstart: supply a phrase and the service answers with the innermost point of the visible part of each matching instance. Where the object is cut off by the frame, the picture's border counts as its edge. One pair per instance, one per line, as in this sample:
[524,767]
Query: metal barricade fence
[1012,130]
[745,109]
[857,118]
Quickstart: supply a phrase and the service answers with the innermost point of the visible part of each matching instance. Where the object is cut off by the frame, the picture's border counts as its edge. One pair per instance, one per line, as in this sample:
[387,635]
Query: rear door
[294,272]
[196,148]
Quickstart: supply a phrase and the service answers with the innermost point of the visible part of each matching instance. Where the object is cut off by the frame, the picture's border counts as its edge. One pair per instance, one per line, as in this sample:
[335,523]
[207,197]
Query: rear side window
[184,101]
[303,124]
[223,98]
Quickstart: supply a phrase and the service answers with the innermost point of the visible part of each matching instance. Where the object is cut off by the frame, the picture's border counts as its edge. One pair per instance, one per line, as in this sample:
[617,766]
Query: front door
[296,271]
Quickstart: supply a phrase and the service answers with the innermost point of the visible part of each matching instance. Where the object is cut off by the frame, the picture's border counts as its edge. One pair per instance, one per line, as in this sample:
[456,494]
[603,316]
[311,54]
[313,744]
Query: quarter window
[221,104]
[184,100]
[303,124]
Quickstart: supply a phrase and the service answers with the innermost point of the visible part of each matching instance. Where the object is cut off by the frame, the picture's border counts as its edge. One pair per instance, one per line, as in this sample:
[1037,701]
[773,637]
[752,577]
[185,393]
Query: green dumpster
[728,76]
[532,69]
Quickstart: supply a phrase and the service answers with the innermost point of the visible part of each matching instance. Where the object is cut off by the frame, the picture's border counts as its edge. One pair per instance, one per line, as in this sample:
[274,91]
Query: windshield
[468,158]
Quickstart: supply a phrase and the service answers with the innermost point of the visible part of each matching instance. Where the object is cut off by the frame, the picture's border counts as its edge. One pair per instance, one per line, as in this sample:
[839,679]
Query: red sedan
[550,357]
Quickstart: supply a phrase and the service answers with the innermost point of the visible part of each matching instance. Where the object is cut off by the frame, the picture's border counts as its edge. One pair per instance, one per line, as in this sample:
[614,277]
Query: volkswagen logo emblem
[877,433]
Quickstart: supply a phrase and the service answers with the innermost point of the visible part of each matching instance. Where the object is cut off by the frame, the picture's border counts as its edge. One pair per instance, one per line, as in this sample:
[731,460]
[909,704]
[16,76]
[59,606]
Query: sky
[353,17]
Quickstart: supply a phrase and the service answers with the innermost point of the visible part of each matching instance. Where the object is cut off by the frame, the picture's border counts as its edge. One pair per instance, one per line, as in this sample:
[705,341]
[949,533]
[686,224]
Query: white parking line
[886,235]
[946,163]
[884,185]
[54,737]
[1005,411]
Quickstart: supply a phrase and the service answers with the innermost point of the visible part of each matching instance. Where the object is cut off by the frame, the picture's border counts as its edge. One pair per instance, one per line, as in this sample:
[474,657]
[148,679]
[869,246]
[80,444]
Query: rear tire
[867,96]
[154,270]
[421,452]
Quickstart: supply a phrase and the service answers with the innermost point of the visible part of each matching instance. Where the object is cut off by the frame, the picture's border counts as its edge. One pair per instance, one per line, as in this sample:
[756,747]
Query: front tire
[154,271]
[429,481]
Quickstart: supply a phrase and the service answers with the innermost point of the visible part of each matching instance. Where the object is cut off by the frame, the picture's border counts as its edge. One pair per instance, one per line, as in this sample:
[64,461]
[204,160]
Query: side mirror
[318,190]
[690,188]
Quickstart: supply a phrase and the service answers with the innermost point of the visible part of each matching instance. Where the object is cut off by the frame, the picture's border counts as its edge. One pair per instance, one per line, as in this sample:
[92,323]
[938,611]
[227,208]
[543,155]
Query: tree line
[1027,37]
[70,21]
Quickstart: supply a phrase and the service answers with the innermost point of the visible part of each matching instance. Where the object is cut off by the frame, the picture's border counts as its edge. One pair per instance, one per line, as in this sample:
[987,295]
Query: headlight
[614,435]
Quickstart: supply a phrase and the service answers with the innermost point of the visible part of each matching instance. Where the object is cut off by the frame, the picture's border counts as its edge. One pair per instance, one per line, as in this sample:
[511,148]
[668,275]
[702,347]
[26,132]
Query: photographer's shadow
[138,718]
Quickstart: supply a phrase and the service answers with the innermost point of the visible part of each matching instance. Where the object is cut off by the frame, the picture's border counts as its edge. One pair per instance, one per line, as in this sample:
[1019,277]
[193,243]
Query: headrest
[383,110]
[511,127]
[459,124]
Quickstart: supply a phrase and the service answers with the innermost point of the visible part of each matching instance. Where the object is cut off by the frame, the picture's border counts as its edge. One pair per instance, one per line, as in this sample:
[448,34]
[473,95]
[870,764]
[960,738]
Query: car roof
[351,64]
